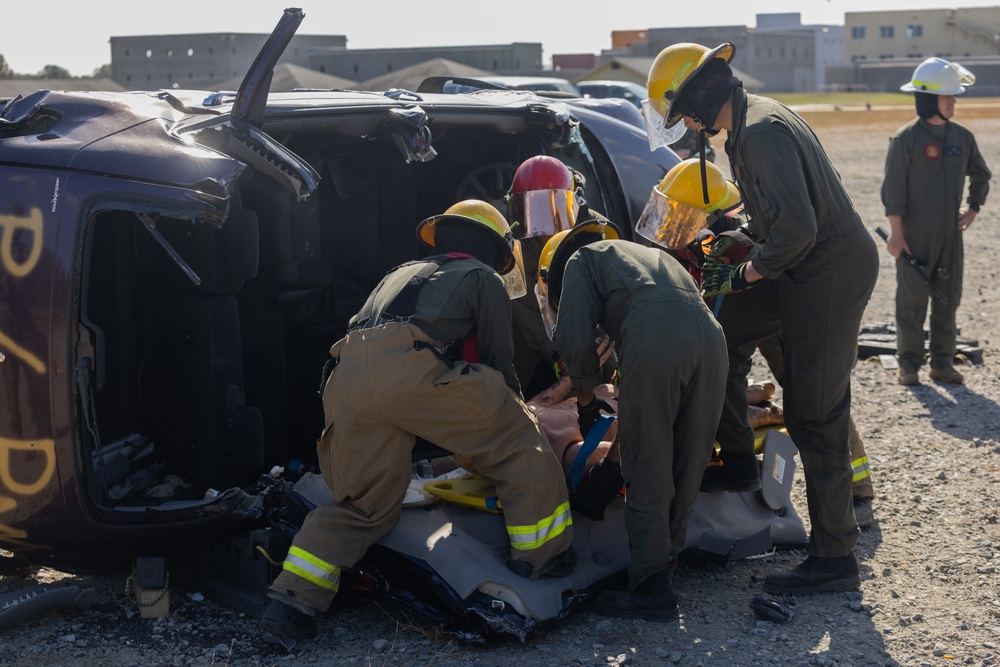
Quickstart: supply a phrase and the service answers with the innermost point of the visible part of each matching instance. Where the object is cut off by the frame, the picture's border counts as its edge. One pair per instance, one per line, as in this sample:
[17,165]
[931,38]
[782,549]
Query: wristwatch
[974,206]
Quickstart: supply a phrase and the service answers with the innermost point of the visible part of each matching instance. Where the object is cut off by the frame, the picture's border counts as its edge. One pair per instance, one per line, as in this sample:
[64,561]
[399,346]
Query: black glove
[718,278]
[595,492]
[586,415]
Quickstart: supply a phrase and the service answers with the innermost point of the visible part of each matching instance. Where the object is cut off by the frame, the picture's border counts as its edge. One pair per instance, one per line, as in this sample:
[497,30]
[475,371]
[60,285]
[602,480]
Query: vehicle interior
[190,388]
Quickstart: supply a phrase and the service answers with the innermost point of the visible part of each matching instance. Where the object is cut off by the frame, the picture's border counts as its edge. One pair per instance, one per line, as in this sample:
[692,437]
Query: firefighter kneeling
[393,380]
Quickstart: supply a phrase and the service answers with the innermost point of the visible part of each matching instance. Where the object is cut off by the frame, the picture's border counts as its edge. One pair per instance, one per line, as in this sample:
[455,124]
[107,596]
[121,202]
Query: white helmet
[939,77]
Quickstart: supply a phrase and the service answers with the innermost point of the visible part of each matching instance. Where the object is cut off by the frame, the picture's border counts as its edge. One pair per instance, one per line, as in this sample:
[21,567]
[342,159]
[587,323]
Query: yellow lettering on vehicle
[9,225]
[36,364]
[26,488]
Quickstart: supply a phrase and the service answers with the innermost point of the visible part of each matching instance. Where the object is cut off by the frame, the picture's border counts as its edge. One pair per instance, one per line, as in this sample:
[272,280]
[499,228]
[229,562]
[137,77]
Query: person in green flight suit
[393,380]
[928,161]
[673,369]
[809,276]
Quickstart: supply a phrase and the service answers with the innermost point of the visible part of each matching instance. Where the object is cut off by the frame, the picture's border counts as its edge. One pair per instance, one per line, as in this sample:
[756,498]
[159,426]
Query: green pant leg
[745,317]
[822,307]
[669,401]
[947,277]
[911,311]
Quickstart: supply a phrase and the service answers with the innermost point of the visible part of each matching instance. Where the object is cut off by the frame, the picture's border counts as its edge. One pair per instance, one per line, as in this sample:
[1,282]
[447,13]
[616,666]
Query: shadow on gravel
[959,411]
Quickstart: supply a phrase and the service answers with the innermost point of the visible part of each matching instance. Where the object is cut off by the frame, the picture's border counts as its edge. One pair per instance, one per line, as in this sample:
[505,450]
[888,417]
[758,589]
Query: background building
[152,62]
[922,33]
[364,64]
[781,53]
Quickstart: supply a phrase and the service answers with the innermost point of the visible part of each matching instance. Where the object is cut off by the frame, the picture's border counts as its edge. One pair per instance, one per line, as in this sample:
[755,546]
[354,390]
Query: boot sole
[836,586]
[647,615]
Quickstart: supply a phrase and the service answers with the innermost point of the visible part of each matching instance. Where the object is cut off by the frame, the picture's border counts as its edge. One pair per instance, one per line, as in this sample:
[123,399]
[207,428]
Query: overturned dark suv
[174,266]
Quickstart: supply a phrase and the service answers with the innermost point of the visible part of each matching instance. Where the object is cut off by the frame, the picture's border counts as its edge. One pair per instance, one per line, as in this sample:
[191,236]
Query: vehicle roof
[89,131]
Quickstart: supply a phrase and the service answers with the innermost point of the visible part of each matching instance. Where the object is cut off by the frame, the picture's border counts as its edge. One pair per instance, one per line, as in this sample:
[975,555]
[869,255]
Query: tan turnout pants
[382,393]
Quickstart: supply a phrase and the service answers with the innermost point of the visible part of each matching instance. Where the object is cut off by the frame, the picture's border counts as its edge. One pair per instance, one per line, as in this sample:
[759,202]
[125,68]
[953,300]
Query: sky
[74,34]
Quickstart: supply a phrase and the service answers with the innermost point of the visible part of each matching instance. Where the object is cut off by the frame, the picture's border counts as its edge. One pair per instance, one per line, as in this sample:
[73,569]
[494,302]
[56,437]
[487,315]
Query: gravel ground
[930,592]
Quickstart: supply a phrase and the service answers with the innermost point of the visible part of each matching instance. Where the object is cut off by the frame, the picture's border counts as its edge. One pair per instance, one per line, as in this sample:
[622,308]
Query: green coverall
[819,264]
[672,356]
[925,171]
[385,390]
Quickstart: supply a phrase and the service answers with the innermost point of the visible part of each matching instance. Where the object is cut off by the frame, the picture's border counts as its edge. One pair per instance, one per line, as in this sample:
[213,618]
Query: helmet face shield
[544,212]
[657,131]
[670,223]
[513,280]
[545,308]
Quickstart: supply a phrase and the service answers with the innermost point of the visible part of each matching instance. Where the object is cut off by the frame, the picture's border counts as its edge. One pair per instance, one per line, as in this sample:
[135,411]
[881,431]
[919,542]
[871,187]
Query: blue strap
[590,443]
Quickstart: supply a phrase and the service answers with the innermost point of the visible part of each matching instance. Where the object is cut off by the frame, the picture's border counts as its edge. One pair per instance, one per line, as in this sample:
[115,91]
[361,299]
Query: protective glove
[732,247]
[586,415]
[719,278]
[595,492]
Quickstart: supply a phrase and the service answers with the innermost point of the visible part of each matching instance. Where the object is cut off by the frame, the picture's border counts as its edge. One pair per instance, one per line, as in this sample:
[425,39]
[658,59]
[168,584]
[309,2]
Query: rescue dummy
[810,278]
[673,371]
[925,172]
[395,377]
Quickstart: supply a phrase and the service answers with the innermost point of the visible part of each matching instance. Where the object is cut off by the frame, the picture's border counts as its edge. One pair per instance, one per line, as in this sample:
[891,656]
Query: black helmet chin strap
[702,146]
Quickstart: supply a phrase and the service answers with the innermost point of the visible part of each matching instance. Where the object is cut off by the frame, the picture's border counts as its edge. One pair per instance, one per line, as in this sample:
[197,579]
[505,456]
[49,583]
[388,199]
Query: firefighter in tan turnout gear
[394,379]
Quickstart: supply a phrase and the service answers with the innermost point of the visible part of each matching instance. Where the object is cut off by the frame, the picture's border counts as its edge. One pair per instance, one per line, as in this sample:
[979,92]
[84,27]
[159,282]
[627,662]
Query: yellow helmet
[480,214]
[676,210]
[671,70]
[557,251]
[683,183]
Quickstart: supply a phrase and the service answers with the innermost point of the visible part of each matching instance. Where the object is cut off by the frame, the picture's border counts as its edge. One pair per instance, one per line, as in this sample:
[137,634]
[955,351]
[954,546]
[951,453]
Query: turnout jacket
[792,192]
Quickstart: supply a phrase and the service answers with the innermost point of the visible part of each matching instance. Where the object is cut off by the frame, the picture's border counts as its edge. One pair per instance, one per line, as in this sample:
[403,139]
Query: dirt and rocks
[931,588]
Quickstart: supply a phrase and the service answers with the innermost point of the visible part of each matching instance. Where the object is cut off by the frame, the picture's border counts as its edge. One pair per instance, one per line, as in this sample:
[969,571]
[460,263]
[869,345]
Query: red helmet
[542,199]
[542,173]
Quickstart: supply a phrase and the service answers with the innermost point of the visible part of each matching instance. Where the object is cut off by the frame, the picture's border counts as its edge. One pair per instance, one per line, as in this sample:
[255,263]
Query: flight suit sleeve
[575,335]
[775,160]
[494,337]
[979,176]
[897,164]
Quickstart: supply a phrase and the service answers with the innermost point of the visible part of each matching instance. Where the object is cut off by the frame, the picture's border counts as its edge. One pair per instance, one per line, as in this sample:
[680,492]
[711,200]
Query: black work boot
[560,565]
[285,626]
[597,489]
[653,600]
[731,471]
[816,575]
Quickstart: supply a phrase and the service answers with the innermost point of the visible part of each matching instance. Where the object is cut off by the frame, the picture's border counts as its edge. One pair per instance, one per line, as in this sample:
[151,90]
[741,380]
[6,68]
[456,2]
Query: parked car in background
[627,90]
[545,84]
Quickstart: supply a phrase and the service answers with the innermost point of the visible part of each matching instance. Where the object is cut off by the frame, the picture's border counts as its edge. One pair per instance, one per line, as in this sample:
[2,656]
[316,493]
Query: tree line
[50,72]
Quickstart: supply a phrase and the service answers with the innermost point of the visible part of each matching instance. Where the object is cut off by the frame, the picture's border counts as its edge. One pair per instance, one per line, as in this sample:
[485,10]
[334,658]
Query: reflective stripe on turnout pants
[383,393]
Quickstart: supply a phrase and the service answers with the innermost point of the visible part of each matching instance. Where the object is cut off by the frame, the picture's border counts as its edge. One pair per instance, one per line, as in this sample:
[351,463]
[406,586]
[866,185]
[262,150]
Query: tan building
[921,33]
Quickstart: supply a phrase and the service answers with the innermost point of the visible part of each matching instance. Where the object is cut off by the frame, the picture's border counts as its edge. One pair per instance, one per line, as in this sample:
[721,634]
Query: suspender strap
[402,307]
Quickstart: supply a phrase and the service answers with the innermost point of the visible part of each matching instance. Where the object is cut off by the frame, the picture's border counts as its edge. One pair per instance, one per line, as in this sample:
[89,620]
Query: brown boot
[947,374]
[907,376]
